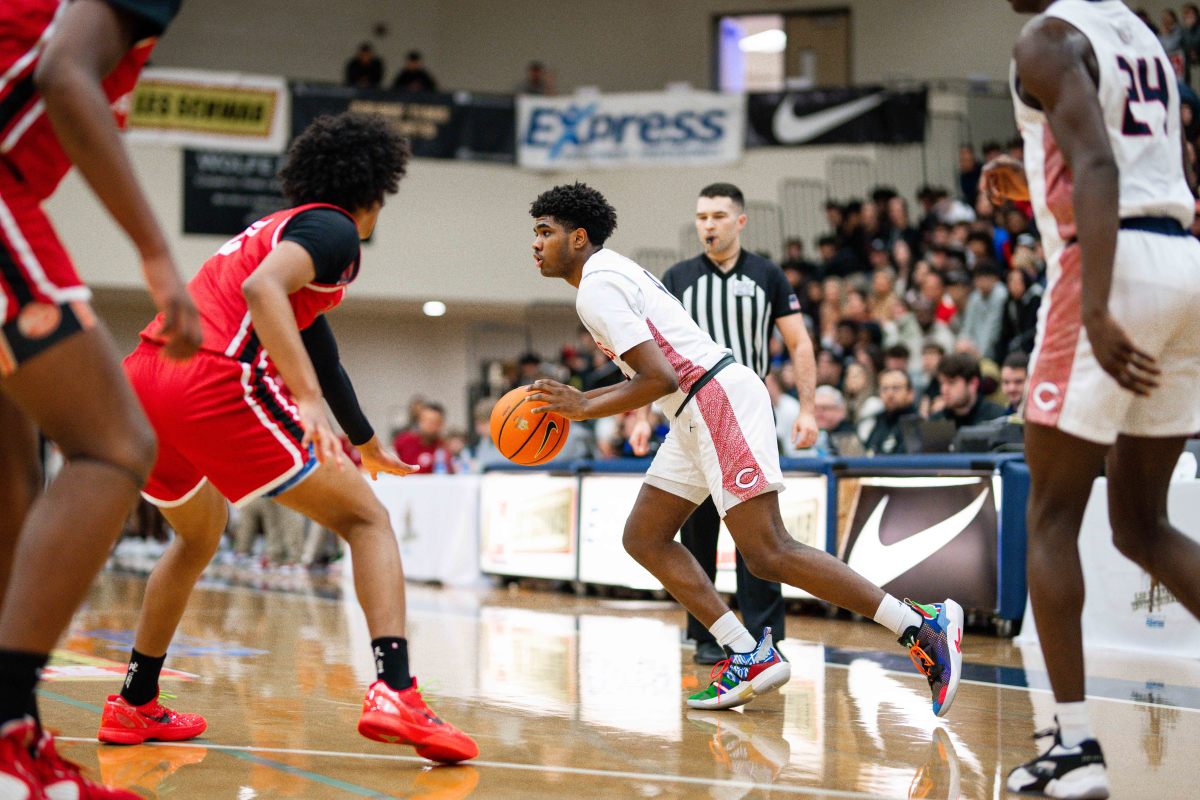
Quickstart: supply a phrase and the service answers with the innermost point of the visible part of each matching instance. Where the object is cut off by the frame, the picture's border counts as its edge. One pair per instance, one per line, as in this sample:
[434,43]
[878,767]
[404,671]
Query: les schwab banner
[210,110]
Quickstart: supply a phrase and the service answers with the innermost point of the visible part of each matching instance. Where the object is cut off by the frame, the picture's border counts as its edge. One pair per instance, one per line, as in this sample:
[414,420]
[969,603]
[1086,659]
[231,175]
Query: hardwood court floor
[582,698]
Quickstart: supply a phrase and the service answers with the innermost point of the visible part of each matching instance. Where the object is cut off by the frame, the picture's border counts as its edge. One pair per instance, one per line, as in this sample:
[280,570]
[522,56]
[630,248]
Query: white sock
[1073,723]
[895,616]
[730,632]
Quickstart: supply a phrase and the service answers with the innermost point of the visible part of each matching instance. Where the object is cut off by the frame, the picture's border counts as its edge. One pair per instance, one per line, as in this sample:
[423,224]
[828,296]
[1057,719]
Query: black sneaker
[1076,773]
[709,652]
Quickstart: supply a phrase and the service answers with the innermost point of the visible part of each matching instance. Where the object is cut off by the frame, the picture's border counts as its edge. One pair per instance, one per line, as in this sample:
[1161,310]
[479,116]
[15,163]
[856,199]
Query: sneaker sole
[128,736]
[768,680]
[377,727]
[954,618]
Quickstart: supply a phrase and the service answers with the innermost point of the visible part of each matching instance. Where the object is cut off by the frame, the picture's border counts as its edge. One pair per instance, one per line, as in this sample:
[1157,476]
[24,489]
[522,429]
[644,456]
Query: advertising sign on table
[618,130]
[860,115]
[527,525]
[211,110]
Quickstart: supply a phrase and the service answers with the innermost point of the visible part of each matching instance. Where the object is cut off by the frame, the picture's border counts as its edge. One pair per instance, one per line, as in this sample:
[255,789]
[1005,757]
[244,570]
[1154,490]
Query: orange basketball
[523,437]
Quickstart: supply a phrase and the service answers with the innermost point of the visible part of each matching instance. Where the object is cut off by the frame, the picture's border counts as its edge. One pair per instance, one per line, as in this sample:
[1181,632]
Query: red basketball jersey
[217,289]
[27,140]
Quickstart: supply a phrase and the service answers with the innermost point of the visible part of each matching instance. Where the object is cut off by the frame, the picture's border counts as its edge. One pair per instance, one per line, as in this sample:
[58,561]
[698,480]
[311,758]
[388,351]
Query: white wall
[613,44]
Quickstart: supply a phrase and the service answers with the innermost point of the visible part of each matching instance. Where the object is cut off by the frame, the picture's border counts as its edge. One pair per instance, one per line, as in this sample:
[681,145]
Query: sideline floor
[581,698]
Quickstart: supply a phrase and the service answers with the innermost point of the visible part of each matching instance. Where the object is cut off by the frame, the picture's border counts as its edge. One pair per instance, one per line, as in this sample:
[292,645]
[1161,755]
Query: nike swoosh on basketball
[791,129]
[882,563]
[551,427]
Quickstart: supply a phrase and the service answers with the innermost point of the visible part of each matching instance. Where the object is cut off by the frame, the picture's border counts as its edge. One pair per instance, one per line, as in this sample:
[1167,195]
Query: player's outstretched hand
[1003,178]
[639,438]
[317,432]
[376,459]
[1132,368]
[804,431]
[559,398]
[181,321]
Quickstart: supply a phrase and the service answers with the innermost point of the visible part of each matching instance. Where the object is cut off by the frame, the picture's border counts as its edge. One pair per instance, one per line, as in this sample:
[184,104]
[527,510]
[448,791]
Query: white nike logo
[791,129]
[882,563]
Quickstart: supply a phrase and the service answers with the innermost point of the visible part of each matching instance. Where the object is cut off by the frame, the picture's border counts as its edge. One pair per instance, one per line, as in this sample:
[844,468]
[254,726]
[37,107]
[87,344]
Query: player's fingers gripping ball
[523,437]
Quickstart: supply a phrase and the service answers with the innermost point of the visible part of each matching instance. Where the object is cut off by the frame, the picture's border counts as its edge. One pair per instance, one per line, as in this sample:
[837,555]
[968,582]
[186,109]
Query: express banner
[926,537]
[618,130]
[870,115]
[212,110]
[224,192]
[462,125]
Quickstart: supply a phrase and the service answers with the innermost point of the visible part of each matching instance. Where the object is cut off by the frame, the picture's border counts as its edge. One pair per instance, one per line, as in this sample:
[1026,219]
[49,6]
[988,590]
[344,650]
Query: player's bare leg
[20,479]
[649,538]
[1139,476]
[341,500]
[393,710]
[1062,469]
[69,530]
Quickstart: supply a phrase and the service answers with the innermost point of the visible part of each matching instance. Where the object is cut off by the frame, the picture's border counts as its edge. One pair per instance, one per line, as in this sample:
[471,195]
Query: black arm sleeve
[331,239]
[335,383]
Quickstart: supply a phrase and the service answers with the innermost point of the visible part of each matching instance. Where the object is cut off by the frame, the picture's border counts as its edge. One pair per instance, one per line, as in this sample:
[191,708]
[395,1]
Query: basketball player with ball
[722,442]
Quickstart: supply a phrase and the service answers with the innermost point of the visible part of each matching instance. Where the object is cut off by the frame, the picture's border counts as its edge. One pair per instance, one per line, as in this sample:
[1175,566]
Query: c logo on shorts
[1045,396]
[737,479]
[38,320]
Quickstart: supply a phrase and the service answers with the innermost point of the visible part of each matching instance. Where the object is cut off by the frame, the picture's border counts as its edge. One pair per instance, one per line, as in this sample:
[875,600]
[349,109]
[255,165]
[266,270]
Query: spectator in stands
[425,447]
[900,227]
[927,387]
[1018,326]
[1191,39]
[1171,35]
[1013,374]
[858,391]
[958,291]
[484,453]
[830,408]
[538,80]
[883,293]
[796,266]
[984,314]
[896,393]
[829,369]
[933,289]
[969,170]
[932,328]
[958,379]
[897,356]
[365,69]
[529,369]
[414,78]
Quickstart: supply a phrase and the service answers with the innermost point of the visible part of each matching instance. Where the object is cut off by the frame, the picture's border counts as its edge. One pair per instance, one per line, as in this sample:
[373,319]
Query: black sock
[19,674]
[391,661]
[141,680]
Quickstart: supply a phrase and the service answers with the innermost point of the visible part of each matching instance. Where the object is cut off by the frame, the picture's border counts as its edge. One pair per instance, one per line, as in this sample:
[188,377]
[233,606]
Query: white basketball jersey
[1139,96]
[623,305]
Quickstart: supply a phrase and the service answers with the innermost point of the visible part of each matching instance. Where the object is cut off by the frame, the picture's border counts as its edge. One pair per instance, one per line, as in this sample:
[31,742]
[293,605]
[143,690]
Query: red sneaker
[403,718]
[18,775]
[63,779]
[122,723]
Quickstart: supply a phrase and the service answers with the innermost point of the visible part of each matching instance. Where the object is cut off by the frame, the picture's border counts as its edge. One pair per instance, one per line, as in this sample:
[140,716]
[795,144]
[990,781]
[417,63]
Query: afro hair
[575,206]
[351,160]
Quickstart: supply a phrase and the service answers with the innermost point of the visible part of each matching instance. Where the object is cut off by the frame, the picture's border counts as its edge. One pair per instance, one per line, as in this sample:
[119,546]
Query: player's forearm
[82,120]
[601,391]
[1097,221]
[630,395]
[275,324]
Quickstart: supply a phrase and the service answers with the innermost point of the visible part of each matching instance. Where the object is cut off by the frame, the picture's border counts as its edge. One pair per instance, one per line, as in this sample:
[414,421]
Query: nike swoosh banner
[859,115]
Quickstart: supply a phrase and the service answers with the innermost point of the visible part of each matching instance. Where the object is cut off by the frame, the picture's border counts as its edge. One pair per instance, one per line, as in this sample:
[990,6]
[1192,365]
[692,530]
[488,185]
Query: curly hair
[578,206]
[351,160]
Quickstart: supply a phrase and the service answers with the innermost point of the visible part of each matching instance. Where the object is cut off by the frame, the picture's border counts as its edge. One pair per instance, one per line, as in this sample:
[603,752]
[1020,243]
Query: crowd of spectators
[365,70]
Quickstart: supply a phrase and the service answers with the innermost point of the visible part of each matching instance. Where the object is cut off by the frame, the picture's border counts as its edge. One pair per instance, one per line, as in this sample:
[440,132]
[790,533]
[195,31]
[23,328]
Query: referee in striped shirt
[736,297]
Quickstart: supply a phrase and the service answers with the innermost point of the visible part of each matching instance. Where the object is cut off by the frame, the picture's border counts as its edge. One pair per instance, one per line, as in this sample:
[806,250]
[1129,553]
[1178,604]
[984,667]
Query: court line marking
[781,788]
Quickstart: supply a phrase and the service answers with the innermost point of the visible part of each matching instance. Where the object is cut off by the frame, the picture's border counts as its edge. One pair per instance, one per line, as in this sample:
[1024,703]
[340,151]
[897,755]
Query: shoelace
[717,672]
[921,660]
[1044,733]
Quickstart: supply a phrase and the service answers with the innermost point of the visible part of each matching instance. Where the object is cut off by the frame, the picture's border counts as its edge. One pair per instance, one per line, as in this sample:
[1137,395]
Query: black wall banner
[927,538]
[462,125]
[861,115]
[224,192]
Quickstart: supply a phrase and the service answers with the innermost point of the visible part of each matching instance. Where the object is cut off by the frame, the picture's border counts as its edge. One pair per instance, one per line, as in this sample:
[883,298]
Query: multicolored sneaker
[941,775]
[935,647]
[743,676]
[18,775]
[740,746]
[63,780]
[401,717]
[123,723]
[1077,773]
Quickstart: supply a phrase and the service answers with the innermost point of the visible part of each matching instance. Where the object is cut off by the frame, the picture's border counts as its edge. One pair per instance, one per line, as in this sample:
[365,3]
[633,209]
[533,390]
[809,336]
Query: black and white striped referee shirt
[736,308]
